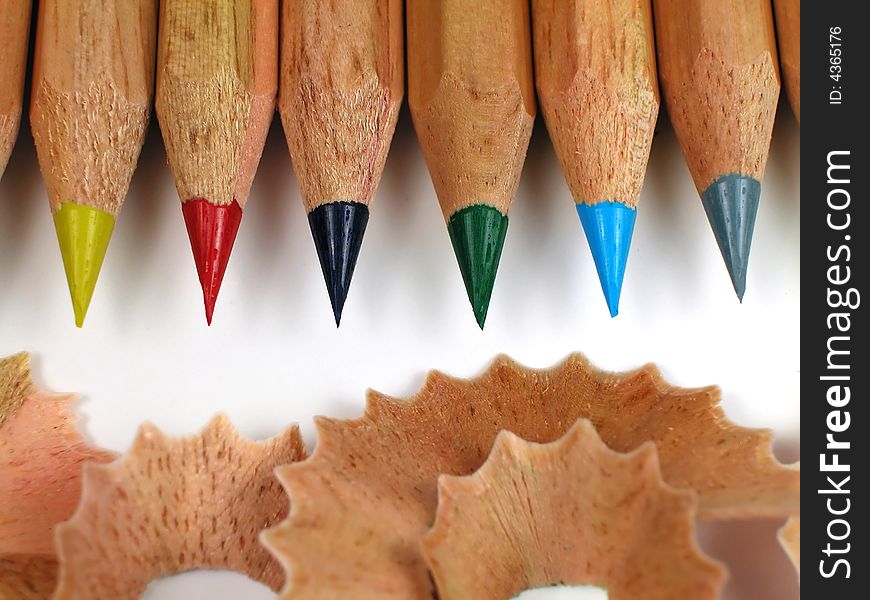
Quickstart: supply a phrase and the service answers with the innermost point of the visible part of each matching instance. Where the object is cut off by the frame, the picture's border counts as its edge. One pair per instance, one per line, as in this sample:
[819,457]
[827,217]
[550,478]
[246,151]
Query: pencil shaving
[367,495]
[41,458]
[790,539]
[173,504]
[27,576]
[568,512]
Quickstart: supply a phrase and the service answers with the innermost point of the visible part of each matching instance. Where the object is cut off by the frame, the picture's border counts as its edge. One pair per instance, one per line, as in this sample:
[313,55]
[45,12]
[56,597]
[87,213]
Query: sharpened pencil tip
[477,233]
[731,204]
[609,227]
[338,229]
[212,231]
[83,234]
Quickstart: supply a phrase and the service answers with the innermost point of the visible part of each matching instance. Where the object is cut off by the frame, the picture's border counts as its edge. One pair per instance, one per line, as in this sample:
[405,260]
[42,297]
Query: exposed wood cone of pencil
[720,78]
[93,82]
[596,77]
[14,35]
[473,103]
[217,76]
[342,81]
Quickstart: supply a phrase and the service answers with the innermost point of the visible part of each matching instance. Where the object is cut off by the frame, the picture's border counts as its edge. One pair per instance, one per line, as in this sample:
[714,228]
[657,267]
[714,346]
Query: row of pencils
[215,69]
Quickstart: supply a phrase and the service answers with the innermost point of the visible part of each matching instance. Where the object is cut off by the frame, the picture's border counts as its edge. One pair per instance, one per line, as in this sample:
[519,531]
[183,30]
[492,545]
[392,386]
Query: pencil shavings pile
[565,475]
[168,505]
[363,501]
[572,511]
[173,504]
[41,458]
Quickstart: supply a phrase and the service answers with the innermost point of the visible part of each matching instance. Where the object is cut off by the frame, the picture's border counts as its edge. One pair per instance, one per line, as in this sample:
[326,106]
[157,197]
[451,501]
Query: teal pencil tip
[609,227]
[731,204]
[477,233]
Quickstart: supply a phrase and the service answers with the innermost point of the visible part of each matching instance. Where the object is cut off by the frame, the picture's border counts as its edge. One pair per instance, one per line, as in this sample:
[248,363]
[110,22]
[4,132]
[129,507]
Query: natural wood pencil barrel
[473,104]
[788,29]
[14,34]
[342,81]
[596,77]
[217,78]
[595,70]
[720,77]
[93,83]
[472,96]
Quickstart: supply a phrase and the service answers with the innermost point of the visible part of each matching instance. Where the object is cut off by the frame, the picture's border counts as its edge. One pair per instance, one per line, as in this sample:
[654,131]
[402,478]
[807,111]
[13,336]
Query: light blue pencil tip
[609,227]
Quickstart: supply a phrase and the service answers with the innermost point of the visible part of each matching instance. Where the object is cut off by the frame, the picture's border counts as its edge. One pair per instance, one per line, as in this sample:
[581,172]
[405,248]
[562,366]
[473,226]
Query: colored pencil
[14,35]
[473,104]
[217,77]
[788,32]
[596,77]
[720,78]
[93,82]
[342,81]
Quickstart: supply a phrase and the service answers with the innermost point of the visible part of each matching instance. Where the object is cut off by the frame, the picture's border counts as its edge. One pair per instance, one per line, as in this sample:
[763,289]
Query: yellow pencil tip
[83,234]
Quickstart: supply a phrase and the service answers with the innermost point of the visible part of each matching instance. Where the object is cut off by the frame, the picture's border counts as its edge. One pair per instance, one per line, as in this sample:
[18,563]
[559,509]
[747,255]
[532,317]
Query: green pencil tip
[477,233]
[83,234]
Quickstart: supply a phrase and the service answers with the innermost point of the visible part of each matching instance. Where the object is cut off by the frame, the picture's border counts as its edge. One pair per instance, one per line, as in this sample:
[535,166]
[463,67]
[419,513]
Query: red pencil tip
[212,230]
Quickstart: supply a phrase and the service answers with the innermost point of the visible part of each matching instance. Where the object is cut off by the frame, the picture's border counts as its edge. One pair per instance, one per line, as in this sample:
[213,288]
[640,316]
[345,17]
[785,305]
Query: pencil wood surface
[471,95]
[14,35]
[93,82]
[595,70]
[718,65]
[217,75]
[596,77]
[719,74]
[342,82]
[788,30]
[473,104]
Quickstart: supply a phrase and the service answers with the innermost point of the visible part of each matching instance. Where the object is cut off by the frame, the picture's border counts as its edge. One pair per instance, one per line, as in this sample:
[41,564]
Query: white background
[273,355]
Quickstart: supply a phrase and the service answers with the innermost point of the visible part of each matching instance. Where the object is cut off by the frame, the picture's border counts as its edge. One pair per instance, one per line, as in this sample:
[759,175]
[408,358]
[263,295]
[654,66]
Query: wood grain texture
[570,512]
[27,577]
[472,97]
[342,81]
[217,77]
[788,30]
[720,77]
[14,35]
[596,76]
[174,504]
[368,493]
[93,82]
